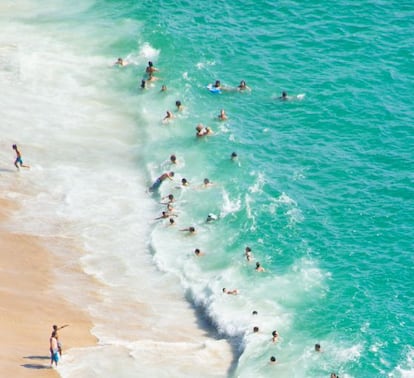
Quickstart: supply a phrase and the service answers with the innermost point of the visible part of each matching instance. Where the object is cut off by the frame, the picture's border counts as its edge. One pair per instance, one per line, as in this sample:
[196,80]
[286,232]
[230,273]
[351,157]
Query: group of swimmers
[169,200]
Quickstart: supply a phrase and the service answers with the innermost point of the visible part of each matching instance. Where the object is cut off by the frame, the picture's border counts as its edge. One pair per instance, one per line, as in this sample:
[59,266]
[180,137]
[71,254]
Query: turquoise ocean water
[322,190]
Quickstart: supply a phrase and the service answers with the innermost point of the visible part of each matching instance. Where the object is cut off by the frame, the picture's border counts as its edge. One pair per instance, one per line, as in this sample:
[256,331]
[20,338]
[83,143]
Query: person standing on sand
[18,160]
[54,349]
[55,331]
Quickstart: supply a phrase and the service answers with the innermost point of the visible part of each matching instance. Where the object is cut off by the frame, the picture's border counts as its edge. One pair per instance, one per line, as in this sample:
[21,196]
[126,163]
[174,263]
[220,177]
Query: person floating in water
[198,253]
[163,88]
[157,183]
[173,159]
[243,87]
[222,116]
[168,117]
[275,336]
[284,96]
[143,84]
[179,106]
[120,62]
[191,230]
[233,156]
[318,348]
[18,162]
[230,292]
[259,268]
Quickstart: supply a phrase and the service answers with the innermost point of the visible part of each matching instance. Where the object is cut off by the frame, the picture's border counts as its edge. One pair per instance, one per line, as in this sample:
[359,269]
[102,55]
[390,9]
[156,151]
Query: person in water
[217,84]
[120,62]
[248,254]
[243,87]
[173,159]
[191,230]
[233,156]
[143,84]
[318,348]
[222,116]
[198,253]
[179,106]
[19,161]
[164,88]
[272,360]
[275,336]
[150,68]
[157,183]
[230,292]
[259,268]
[284,96]
[169,116]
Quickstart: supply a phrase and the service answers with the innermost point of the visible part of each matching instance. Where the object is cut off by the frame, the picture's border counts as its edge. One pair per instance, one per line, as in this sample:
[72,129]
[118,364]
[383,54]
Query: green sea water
[322,190]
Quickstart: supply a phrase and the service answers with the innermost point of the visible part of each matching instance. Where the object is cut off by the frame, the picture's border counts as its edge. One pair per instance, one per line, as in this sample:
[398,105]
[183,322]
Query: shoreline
[30,305]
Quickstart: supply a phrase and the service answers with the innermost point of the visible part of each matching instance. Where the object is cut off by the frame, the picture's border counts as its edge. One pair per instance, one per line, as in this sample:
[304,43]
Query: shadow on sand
[38,366]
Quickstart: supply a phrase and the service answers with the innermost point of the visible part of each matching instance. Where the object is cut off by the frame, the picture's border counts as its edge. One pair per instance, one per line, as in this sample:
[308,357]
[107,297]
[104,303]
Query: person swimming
[120,62]
[178,105]
[169,116]
[157,183]
[242,86]
[150,68]
[222,116]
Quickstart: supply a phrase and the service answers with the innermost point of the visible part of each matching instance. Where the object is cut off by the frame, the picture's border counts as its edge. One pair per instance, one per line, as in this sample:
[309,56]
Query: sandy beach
[30,306]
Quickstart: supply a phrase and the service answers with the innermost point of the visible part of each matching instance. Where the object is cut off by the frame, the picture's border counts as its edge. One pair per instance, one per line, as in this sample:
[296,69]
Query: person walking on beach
[54,349]
[18,160]
[55,331]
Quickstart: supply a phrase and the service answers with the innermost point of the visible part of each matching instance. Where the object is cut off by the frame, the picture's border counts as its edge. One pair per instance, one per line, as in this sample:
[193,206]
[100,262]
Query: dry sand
[29,306]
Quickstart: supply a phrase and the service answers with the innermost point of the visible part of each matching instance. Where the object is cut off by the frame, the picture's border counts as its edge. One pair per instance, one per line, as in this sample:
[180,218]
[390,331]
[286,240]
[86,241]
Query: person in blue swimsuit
[18,160]
[157,183]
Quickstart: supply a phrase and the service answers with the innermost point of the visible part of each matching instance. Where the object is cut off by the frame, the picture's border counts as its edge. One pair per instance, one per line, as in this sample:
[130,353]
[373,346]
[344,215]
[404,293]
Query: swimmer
[184,182]
[334,375]
[211,217]
[191,230]
[169,116]
[284,96]
[207,183]
[318,348]
[18,160]
[275,336]
[259,268]
[255,329]
[233,156]
[173,159]
[248,254]
[217,84]
[143,84]
[164,215]
[230,292]
[178,105]
[150,68]
[198,253]
[242,86]
[254,312]
[120,62]
[272,360]
[172,222]
[170,198]
[157,183]
[222,116]
[163,88]
[203,131]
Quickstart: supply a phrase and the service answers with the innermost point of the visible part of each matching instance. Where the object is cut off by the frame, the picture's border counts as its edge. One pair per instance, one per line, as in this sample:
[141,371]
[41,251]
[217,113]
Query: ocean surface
[321,190]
